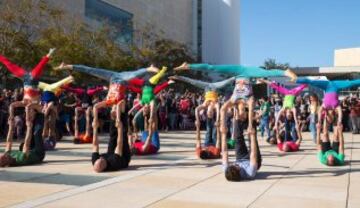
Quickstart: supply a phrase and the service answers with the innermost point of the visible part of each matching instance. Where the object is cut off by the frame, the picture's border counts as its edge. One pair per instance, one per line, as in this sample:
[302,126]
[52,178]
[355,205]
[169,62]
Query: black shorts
[326,146]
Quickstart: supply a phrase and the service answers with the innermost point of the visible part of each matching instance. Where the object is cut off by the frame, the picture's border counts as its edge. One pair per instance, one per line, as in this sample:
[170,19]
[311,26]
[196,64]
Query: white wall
[347,57]
[221,31]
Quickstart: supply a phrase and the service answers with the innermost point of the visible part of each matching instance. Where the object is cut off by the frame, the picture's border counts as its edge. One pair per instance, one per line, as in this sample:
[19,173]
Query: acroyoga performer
[212,106]
[289,99]
[118,155]
[242,93]
[247,162]
[331,98]
[330,153]
[86,105]
[286,142]
[49,100]
[116,94]
[34,154]
[31,94]
[149,89]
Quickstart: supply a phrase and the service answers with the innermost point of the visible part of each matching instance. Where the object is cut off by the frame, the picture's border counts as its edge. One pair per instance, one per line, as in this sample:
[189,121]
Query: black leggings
[113,139]
[241,150]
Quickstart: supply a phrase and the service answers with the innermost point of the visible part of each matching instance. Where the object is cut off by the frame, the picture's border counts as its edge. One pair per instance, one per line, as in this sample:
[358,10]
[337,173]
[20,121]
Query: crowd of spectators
[176,111]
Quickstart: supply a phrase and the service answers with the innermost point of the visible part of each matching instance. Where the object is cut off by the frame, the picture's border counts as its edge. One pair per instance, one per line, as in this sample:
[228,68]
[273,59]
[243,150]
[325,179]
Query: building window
[199,30]
[121,20]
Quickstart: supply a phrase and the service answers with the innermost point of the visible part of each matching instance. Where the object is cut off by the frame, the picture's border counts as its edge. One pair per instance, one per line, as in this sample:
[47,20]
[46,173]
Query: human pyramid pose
[49,101]
[40,120]
[212,106]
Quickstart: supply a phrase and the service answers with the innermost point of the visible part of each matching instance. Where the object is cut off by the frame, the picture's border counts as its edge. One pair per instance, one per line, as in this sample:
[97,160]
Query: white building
[221,31]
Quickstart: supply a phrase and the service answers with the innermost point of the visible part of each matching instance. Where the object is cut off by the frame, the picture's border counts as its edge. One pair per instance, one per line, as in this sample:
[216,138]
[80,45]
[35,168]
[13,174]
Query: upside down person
[31,99]
[289,98]
[149,144]
[49,100]
[117,89]
[212,106]
[242,94]
[331,97]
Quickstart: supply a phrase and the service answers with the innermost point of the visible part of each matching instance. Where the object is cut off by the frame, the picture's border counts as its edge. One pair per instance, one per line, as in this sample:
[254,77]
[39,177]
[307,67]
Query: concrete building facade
[211,28]
[221,31]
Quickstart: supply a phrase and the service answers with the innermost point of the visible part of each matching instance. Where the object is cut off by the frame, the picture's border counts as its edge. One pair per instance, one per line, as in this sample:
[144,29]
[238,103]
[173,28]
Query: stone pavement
[175,178]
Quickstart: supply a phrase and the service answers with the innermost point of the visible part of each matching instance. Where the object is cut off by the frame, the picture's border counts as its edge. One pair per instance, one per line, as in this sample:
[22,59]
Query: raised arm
[254,153]
[13,68]
[120,127]
[341,139]
[95,144]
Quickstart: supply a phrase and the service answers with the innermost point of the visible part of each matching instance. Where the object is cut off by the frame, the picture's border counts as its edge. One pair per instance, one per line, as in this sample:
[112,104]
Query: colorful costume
[117,81]
[331,88]
[210,88]
[290,94]
[31,79]
[50,91]
[241,72]
[148,88]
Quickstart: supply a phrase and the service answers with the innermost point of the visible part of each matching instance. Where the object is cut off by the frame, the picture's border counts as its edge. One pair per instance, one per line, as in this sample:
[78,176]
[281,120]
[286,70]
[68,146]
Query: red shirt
[139,149]
[184,105]
[293,147]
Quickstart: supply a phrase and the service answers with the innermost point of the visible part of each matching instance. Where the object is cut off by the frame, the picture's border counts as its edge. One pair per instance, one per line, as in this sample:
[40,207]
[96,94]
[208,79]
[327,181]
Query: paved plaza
[176,178]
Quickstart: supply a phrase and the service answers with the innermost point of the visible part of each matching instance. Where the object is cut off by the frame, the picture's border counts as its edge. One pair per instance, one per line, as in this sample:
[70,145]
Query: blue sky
[300,32]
